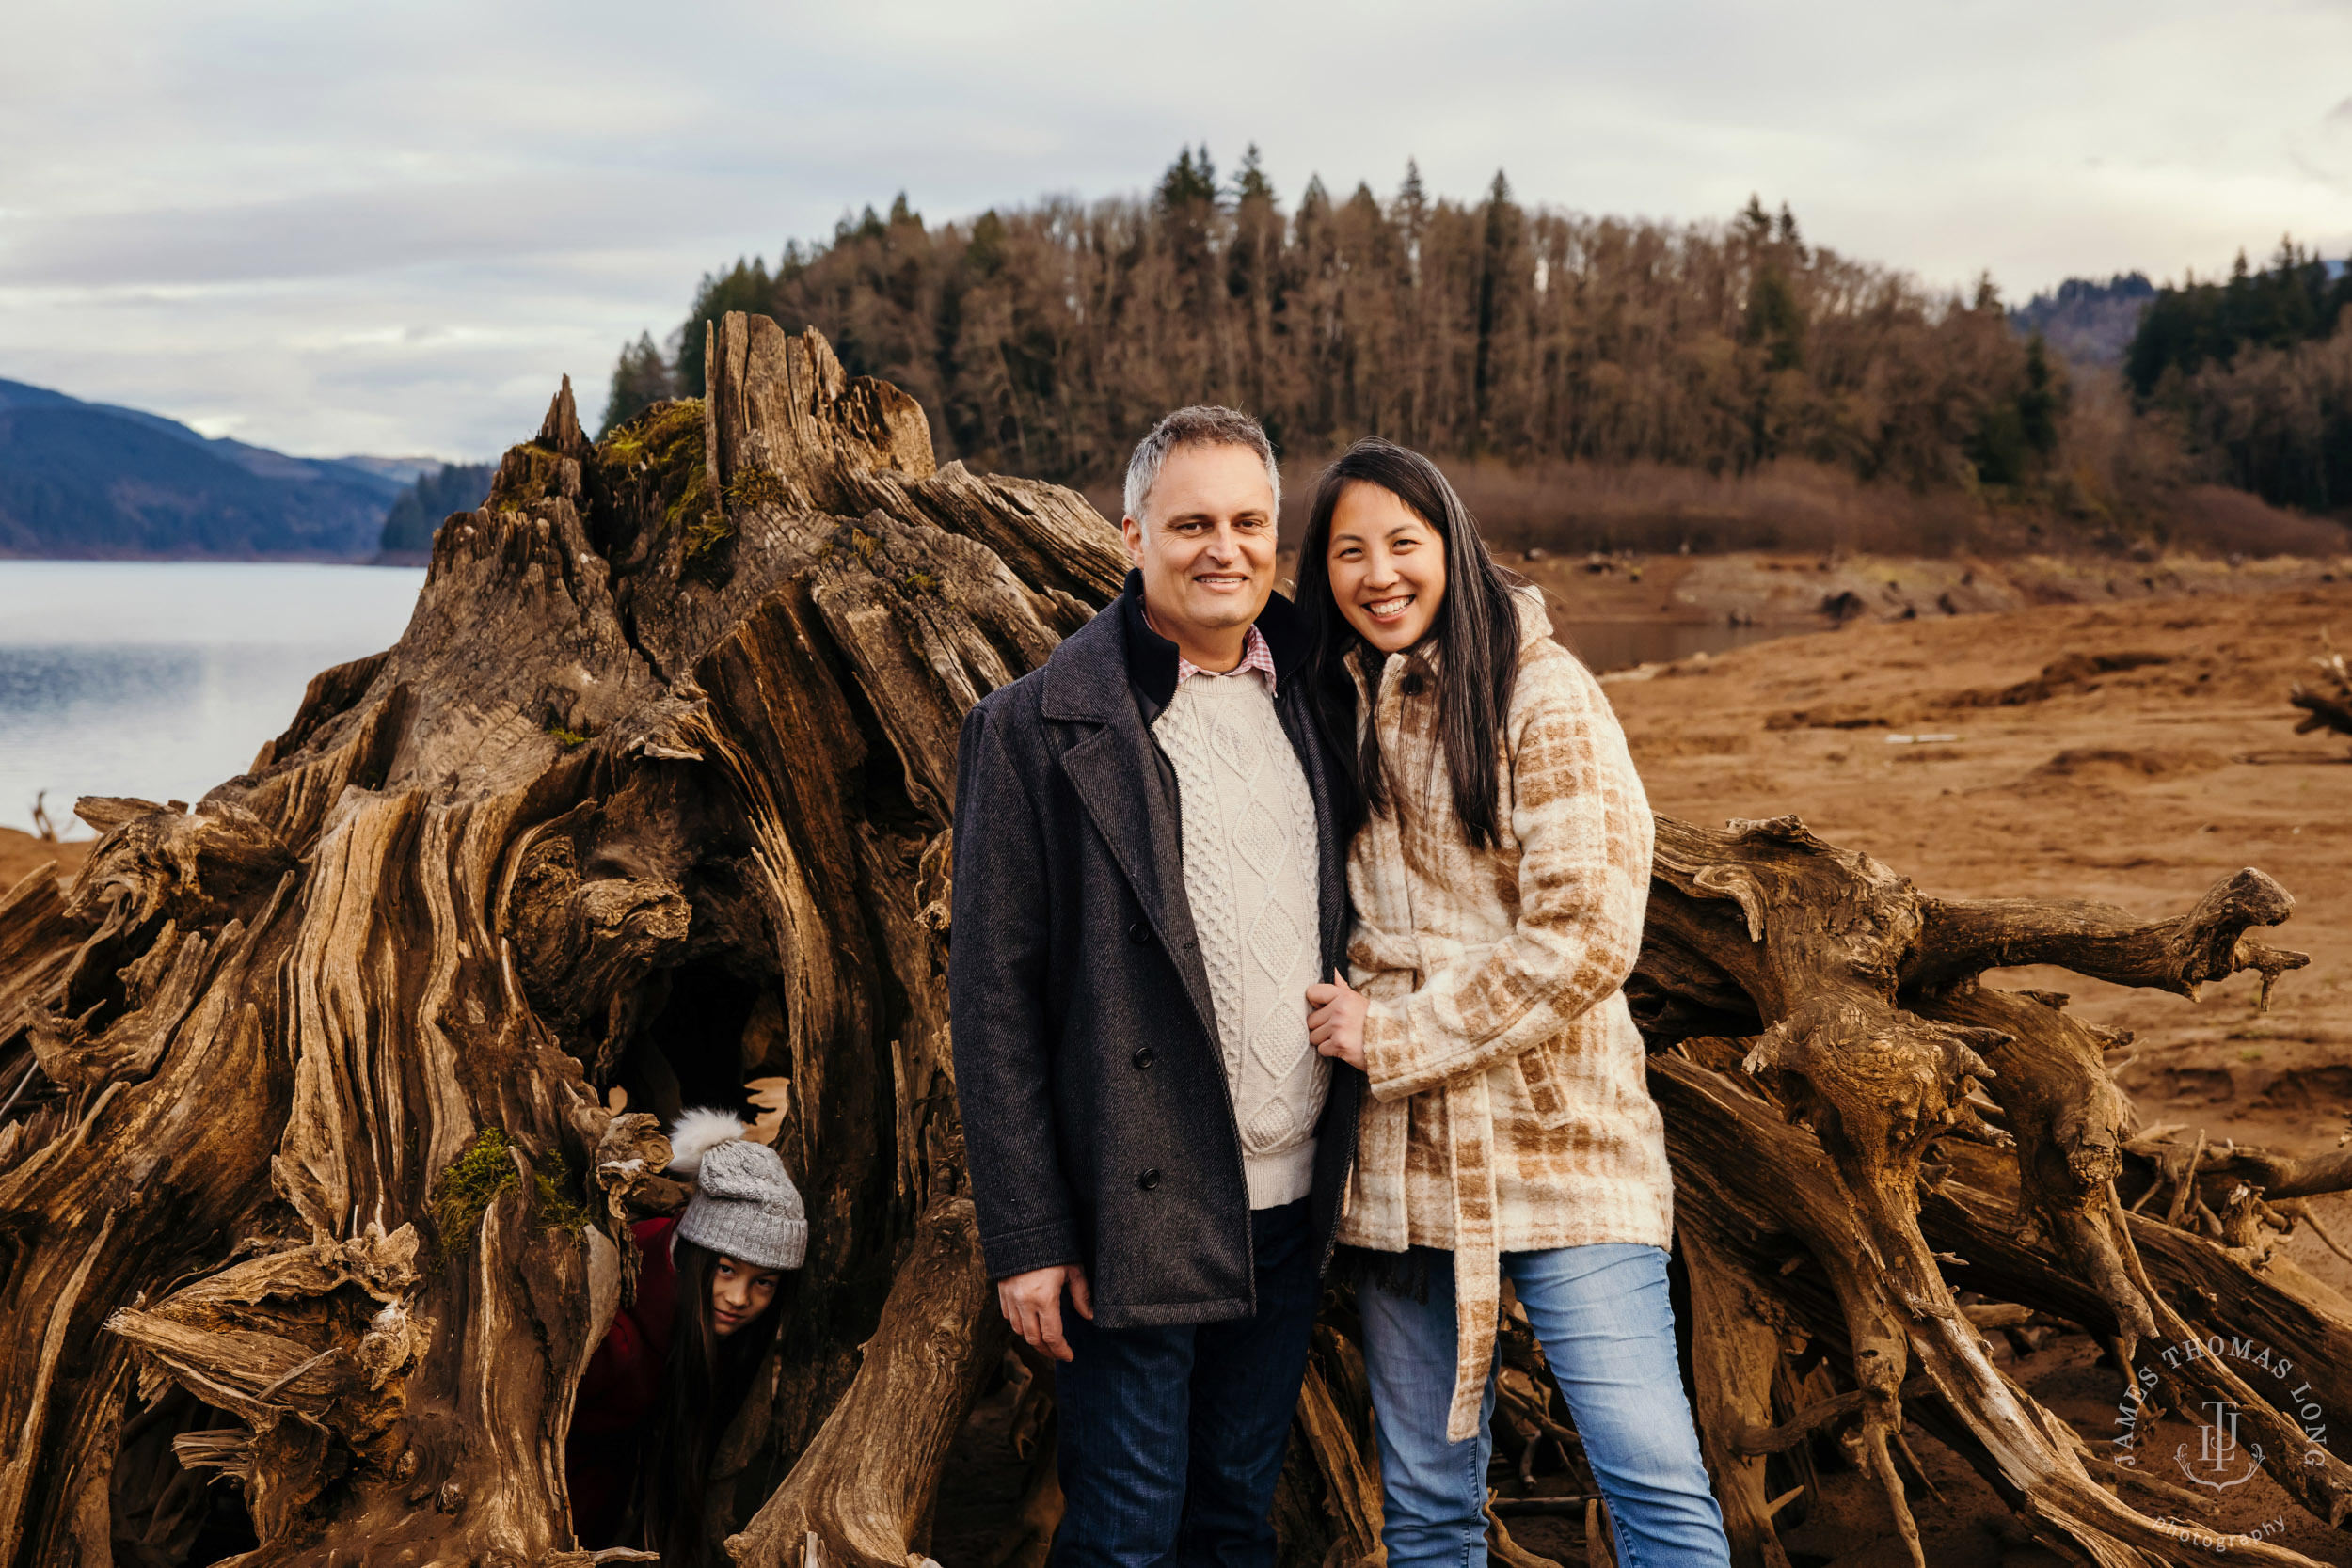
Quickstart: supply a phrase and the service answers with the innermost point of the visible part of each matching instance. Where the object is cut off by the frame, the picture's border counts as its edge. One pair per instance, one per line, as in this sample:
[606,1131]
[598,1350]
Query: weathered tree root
[2328,706]
[1869,1027]
[651,796]
[938,1335]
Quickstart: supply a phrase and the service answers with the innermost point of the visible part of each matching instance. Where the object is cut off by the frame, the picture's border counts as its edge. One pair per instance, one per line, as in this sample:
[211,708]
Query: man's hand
[1336,1027]
[1032,1303]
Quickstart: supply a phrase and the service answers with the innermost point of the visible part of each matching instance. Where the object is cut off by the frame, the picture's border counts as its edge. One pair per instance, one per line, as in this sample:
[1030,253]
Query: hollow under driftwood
[339,1087]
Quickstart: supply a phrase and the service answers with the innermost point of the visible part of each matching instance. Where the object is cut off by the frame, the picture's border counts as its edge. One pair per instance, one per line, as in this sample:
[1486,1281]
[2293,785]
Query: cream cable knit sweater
[1250,875]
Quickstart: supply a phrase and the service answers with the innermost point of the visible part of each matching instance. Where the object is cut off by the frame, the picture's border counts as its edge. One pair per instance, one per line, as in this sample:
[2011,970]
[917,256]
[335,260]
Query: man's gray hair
[1200,425]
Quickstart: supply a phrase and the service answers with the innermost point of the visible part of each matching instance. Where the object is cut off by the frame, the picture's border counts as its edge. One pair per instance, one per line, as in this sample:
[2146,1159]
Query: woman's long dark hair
[701,1389]
[1477,630]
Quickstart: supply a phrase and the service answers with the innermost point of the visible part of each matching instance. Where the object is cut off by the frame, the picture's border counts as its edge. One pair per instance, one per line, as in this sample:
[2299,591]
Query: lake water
[162,678]
[1621,645]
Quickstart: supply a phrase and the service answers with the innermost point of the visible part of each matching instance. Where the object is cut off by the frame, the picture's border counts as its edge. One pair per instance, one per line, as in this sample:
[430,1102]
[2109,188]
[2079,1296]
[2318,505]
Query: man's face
[1207,546]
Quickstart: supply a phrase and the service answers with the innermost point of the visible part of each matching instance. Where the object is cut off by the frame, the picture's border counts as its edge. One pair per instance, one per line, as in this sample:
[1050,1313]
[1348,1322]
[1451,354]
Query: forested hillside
[2258,371]
[1594,381]
[1044,339]
[418,511]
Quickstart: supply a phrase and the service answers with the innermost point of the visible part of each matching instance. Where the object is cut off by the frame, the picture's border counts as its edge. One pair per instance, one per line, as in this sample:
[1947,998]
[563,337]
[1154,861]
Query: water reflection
[162,679]
[1621,645]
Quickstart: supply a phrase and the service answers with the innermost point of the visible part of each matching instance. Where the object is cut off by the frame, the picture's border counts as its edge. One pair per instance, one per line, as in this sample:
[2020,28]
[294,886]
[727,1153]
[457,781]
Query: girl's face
[1387,566]
[739,1293]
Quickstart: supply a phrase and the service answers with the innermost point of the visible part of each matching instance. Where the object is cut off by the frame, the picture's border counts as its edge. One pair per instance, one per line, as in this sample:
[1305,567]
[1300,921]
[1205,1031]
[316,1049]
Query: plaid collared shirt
[1255,655]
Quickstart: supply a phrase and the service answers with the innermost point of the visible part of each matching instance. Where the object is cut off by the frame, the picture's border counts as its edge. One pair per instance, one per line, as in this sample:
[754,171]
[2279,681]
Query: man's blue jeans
[1172,1439]
[1608,1331]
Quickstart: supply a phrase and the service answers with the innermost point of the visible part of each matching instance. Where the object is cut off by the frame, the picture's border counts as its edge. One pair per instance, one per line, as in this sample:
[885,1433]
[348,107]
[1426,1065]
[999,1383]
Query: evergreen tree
[1774,321]
[746,288]
[1411,210]
[1496,270]
[417,512]
[1189,183]
[2040,400]
[1788,233]
[1251,185]
[2291,301]
[640,378]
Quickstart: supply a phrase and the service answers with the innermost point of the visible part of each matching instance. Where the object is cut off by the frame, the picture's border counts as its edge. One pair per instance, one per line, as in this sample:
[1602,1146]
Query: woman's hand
[1336,1025]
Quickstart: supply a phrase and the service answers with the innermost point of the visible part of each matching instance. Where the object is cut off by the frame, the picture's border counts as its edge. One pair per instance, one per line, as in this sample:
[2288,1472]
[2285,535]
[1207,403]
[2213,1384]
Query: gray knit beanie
[744,1206]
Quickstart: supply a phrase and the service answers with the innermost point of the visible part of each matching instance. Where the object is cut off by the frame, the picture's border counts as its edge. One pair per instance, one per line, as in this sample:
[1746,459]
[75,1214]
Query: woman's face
[1387,566]
[739,1293]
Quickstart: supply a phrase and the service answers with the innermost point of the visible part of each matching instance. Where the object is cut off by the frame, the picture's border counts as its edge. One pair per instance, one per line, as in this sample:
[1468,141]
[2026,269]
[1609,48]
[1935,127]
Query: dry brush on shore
[335,1087]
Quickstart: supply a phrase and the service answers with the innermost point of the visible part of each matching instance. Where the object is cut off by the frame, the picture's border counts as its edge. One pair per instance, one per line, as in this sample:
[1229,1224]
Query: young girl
[1499,874]
[672,1371]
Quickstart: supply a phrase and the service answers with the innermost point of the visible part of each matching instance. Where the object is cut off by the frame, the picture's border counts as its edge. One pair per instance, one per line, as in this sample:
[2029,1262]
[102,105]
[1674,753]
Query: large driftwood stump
[335,1088]
[651,798]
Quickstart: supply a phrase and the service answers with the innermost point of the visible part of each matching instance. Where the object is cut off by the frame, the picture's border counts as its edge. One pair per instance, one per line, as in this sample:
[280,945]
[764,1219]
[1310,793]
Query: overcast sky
[389,228]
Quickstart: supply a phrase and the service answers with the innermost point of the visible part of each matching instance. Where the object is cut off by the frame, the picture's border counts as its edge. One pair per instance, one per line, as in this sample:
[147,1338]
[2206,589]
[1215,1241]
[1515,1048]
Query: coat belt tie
[1477,1262]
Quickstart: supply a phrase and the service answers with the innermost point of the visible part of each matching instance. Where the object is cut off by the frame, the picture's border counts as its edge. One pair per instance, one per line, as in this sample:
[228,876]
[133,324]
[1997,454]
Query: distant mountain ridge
[93,481]
[2090,322]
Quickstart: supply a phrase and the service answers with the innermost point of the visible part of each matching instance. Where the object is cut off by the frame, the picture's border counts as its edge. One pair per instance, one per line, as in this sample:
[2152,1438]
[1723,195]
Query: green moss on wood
[754,486]
[483,1171]
[693,500]
[669,426]
[918,584]
[705,533]
[486,1168]
[566,739]
[551,1182]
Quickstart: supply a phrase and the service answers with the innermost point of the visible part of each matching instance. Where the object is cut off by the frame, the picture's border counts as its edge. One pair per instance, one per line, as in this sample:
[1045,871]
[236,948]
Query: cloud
[339,228]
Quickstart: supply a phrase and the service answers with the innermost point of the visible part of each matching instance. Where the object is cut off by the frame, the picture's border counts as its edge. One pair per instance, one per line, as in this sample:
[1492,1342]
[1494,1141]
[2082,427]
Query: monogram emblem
[2221,1462]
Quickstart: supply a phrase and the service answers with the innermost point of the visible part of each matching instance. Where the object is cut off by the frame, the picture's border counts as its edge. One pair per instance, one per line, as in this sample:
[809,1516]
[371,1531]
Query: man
[1150,871]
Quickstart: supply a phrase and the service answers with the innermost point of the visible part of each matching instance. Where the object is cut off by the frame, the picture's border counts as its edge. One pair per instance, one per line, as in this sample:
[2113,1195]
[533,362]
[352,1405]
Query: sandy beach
[1989,755]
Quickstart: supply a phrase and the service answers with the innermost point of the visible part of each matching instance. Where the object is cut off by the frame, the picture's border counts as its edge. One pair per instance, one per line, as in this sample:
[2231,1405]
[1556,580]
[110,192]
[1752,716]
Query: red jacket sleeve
[623,1381]
[620,1392]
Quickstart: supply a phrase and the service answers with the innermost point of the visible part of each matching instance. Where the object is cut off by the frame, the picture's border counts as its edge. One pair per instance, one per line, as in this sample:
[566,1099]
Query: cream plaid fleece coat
[1509,1111]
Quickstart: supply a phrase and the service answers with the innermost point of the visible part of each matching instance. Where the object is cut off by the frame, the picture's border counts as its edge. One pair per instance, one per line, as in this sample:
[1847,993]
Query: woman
[1499,874]
[671,1371]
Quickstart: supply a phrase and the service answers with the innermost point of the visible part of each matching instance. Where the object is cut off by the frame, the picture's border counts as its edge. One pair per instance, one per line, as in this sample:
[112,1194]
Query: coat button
[1150,1178]
[1144,1057]
[1139,934]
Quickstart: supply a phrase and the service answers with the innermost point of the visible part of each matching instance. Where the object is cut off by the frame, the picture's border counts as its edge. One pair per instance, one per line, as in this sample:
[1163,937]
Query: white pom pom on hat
[695,1134]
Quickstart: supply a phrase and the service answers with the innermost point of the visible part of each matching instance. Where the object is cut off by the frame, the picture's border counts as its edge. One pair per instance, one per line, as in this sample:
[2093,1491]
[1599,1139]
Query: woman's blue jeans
[1607,1330]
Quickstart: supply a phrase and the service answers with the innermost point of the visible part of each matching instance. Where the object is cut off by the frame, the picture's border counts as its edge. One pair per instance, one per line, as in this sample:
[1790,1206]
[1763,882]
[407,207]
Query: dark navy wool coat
[1096,1117]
